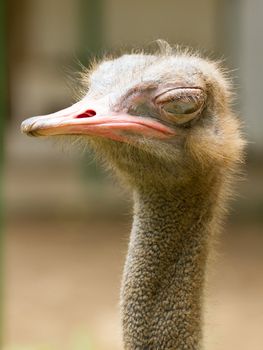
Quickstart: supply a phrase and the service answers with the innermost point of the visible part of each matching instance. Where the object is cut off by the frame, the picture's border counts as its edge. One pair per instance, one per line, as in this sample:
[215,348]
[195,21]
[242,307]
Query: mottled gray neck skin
[165,269]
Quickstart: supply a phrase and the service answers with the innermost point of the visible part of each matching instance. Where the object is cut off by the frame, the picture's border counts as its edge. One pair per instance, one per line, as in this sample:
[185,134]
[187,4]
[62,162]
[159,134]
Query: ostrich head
[155,118]
[163,122]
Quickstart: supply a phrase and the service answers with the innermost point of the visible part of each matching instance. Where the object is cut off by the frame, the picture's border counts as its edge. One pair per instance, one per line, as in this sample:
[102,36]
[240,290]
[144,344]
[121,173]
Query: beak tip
[27,127]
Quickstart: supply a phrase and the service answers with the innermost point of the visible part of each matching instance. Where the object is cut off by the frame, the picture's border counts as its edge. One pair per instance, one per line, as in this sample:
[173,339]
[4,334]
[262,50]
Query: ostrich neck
[165,270]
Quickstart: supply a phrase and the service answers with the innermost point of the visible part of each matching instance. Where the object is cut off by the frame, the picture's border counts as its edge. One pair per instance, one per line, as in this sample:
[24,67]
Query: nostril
[87,114]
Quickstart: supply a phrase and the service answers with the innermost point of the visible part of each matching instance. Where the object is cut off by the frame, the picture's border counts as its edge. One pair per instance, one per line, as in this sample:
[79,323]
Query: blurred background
[66,222]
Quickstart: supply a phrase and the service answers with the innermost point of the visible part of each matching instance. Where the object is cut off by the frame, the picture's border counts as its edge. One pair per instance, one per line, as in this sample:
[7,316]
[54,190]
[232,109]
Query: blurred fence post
[239,34]
[92,44]
[2,118]
[91,27]
[228,24]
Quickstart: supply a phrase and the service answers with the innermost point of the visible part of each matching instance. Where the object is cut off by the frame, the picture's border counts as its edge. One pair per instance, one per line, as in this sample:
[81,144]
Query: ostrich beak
[93,117]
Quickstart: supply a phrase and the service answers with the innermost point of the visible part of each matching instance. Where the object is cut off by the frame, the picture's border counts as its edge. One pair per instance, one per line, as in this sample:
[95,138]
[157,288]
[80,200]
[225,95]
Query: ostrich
[163,122]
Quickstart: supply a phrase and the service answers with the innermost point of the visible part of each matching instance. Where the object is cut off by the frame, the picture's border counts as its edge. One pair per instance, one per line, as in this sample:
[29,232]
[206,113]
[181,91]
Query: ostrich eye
[181,104]
[180,107]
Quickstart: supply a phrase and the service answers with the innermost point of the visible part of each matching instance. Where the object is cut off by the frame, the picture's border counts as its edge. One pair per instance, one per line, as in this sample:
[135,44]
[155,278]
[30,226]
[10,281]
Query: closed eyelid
[181,88]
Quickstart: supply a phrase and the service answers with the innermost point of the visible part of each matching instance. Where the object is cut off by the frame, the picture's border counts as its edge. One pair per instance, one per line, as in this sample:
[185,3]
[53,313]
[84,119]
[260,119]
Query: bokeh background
[66,222]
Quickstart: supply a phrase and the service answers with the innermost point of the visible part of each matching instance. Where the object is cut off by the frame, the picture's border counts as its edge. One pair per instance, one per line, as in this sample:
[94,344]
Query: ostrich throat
[165,268]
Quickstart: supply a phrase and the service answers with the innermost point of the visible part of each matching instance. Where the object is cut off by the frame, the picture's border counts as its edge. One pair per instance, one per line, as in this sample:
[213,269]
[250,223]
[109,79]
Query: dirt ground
[63,277]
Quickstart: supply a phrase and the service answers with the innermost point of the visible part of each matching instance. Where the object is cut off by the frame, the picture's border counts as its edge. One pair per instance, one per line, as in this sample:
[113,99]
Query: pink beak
[91,117]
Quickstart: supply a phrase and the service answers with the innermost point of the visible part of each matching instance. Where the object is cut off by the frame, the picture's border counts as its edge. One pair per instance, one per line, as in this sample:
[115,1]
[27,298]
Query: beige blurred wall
[138,22]
[52,41]
[47,37]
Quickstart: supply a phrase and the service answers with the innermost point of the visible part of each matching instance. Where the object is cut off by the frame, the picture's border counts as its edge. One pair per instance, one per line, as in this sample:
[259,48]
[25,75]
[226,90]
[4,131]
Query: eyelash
[178,93]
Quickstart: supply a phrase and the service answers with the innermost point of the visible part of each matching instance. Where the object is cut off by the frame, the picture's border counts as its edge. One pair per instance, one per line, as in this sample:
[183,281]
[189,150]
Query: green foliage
[3,102]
